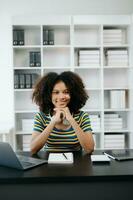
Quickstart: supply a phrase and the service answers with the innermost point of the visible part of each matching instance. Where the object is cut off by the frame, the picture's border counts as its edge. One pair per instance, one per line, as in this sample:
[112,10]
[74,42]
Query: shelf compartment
[94,101]
[18,121]
[116,99]
[86,35]
[116,57]
[91,77]
[21,56]
[115,35]
[124,115]
[116,78]
[61,34]
[87,57]
[32,34]
[56,57]
[20,98]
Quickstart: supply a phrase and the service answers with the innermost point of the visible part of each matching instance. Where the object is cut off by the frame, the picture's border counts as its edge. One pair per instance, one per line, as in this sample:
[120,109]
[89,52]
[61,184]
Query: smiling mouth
[62,103]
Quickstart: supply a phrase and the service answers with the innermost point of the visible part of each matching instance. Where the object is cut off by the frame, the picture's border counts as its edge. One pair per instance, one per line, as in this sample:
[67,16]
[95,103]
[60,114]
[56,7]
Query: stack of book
[113,122]
[26,142]
[95,122]
[48,37]
[24,81]
[89,58]
[112,36]
[114,141]
[35,58]
[18,37]
[117,57]
[117,99]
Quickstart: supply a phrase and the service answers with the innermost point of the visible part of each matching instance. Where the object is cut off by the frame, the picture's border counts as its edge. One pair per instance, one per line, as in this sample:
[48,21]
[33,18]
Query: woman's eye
[55,92]
[66,92]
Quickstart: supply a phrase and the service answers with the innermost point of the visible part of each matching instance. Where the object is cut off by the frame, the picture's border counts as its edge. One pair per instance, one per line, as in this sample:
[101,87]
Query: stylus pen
[109,156]
[65,156]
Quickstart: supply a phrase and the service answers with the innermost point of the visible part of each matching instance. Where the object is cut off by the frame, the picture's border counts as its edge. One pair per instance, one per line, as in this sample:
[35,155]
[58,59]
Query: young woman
[61,125]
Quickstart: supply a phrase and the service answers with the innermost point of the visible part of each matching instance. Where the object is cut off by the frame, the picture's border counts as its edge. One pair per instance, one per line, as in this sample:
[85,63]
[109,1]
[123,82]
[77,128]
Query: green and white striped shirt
[62,140]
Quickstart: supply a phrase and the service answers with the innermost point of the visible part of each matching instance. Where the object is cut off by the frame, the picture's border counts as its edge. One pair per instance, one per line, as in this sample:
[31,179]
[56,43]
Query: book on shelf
[25,81]
[35,58]
[28,81]
[112,36]
[112,31]
[45,37]
[32,58]
[21,81]
[18,37]
[111,115]
[15,37]
[88,57]
[117,57]
[38,59]
[117,99]
[16,81]
[51,37]
[117,52]
[113,121]
[90,52]
[114,141]
[61,158]
[21,37]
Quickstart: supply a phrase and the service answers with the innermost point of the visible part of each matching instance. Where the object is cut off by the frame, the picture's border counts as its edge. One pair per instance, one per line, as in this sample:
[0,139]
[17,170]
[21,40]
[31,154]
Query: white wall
[9,8]
[67,6]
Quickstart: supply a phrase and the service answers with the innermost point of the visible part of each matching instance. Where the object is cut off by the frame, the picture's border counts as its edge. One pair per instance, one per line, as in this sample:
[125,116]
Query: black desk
[78,181]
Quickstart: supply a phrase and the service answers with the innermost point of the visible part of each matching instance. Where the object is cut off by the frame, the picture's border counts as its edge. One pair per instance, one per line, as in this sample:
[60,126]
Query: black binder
[16,81]
[15,37]
[45,37]
[21,81]
[21,37]
[38,59]
[32,59]
[28,81]
[51,37]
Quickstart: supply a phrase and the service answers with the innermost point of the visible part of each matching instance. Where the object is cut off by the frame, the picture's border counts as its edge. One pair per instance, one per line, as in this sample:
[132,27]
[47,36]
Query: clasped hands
[60,114]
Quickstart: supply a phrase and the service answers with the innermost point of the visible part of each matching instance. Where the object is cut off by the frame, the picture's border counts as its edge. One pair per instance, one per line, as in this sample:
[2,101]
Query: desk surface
[82,170]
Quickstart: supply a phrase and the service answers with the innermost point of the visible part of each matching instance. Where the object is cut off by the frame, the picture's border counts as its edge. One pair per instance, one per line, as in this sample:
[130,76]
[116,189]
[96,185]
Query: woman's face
[60,95]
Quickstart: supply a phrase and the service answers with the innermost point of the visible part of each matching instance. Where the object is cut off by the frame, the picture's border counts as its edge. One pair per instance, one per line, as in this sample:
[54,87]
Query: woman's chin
[61,106]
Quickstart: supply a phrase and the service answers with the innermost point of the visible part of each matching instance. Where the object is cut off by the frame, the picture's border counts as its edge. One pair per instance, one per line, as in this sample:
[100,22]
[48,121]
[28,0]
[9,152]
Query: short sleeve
[85,122]
[39,123]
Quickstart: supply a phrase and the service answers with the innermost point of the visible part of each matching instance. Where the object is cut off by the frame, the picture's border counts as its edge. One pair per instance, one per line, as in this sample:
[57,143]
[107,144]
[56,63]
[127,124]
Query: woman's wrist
[71,120]
[53,120]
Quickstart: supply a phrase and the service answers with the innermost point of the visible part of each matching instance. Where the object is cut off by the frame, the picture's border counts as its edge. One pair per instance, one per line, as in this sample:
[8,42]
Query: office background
[41,7]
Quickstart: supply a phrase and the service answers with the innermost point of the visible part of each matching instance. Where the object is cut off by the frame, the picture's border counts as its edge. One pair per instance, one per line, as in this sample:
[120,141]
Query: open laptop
[120,154]
[10,159]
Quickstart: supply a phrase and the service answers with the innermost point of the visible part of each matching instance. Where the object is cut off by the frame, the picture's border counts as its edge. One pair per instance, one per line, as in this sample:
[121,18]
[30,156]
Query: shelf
[86,46]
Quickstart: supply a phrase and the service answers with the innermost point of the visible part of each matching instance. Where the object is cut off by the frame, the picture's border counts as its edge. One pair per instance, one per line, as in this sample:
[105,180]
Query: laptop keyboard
[26,164]
[28,160]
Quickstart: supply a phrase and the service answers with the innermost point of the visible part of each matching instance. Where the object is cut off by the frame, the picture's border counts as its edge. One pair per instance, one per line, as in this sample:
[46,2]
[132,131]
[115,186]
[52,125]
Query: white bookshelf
[73,34]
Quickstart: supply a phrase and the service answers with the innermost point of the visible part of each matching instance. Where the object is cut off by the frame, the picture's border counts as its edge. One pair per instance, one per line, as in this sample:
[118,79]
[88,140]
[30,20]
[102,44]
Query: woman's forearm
[39,141]
[85,139]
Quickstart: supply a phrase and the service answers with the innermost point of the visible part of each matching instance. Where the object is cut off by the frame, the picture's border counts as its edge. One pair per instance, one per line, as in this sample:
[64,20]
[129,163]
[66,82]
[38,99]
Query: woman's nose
[62,95]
